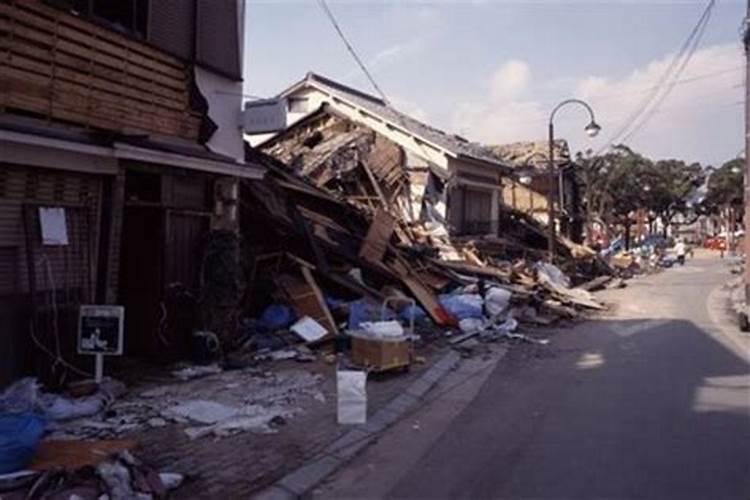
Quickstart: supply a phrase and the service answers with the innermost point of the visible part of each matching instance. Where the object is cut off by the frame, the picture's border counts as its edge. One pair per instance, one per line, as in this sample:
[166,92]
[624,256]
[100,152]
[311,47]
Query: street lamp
[592,129]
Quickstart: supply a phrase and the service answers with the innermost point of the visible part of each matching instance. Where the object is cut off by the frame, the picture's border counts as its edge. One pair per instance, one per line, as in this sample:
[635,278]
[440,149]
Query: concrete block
[349,444]
[381,420]
[419,388]
[308,476]
[275,493]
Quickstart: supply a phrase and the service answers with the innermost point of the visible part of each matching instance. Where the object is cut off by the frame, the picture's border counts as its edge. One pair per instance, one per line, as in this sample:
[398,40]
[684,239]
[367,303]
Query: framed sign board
[100,330]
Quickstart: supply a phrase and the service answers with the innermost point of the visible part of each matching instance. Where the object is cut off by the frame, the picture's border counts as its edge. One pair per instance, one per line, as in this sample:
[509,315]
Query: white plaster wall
[224,98]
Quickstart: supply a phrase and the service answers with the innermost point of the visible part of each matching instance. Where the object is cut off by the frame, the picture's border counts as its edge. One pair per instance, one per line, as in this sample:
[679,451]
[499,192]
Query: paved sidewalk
[242,465]
[348,445]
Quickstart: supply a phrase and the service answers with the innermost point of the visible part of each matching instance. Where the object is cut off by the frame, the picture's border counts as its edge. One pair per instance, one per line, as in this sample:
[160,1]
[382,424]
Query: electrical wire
[332,18]
[675,64]
[683,65]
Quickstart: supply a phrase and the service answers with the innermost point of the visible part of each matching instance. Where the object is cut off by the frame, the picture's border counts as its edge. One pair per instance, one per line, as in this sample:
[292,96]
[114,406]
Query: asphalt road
[651,401]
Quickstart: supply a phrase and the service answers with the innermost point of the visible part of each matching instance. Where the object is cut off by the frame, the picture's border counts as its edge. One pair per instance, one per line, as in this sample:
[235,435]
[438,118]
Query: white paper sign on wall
[54,226]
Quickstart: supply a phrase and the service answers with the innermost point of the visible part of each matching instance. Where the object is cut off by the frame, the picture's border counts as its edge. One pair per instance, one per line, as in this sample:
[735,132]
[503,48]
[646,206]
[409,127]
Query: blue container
[19,437]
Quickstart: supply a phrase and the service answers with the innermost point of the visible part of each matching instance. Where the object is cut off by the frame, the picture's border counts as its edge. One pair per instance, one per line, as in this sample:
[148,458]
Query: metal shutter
[217,40]
[171,26]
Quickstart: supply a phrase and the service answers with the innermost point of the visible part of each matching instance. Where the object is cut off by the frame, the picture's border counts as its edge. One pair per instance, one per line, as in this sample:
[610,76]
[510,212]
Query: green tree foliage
[621,181]
[725,187]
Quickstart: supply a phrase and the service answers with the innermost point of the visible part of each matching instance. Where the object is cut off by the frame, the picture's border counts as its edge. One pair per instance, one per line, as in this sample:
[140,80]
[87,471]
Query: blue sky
[492,70]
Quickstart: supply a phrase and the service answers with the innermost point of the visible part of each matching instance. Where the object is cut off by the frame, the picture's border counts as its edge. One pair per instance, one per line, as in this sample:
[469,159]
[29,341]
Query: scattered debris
[191,372]
[309,329]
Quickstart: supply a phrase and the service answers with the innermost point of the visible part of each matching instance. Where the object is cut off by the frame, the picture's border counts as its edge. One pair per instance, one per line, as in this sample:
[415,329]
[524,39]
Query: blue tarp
[363,310]
[276,317]
[462,306]
[19,436]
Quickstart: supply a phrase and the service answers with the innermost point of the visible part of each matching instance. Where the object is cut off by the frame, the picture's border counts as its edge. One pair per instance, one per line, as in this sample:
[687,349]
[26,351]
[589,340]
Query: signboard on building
[264,116]
[100,330]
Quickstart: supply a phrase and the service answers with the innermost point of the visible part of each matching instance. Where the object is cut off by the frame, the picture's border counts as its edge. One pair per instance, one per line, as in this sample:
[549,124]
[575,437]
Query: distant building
[529,188]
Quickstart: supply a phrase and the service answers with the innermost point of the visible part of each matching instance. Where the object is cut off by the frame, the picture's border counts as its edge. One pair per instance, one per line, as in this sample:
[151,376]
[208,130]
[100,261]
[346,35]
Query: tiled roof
[532,153]
[449,142]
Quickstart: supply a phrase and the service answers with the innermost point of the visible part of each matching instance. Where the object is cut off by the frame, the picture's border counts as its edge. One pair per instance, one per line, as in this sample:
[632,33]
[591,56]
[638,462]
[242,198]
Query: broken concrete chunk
[205,412]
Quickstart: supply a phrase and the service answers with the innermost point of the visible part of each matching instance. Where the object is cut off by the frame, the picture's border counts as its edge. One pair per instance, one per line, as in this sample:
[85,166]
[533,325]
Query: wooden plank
[304,300]
[97,108]
[62,112]
[375,185]
[424,296]
[429,302]
[83,28]
[89,54]
[102,77]
[307,274]
[144,113]
[378,236]
[128,95]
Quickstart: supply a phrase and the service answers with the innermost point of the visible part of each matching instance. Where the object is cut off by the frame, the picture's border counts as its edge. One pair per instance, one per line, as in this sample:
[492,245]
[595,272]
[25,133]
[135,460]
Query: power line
[666,76]
[685,62]
[332,18]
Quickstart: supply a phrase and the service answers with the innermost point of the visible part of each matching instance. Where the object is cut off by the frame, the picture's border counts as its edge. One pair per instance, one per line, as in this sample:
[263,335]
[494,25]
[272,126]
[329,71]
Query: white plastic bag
[496,301]
[352,397]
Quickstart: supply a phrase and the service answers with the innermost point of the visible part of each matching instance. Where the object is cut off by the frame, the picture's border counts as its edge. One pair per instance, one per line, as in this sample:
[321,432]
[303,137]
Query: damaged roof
[452,143]
[532,153]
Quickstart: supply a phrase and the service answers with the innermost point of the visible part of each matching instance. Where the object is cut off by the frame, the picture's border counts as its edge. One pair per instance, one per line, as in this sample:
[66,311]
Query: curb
[295,484]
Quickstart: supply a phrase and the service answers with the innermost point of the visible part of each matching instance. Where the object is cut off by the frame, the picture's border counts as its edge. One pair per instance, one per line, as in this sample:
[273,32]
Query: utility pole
[746,43]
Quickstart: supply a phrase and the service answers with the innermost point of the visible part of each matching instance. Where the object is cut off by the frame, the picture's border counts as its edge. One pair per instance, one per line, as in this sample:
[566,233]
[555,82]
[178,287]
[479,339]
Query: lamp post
[591,130]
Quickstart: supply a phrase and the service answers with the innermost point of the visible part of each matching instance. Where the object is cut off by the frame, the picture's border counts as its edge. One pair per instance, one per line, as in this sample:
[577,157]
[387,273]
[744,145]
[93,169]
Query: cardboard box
[380,354]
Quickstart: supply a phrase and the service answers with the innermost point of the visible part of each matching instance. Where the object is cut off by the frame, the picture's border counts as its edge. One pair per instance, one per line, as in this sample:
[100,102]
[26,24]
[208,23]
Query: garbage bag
[496,301]
[463,306]
[352,397]
[22,396]
[61,408]
[406,313]
[472,325]
[552,274]
[363,310]
[383,329]
[19,437]
[276,316]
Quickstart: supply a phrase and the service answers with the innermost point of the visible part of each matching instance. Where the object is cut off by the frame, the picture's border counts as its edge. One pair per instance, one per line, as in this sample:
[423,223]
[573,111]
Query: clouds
[699,120]
[506,114]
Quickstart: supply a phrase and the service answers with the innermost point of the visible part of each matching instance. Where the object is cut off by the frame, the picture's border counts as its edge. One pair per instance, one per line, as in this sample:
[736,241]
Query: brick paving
[240,465]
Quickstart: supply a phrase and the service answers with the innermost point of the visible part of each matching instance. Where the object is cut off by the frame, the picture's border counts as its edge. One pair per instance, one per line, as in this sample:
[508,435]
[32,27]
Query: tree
[671,182]
[620,182]
[612,187]
[725,196]
[725,187]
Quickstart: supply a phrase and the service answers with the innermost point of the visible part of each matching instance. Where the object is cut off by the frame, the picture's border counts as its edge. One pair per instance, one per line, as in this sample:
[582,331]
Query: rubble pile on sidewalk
[218,404]
[334,238]
[87,471]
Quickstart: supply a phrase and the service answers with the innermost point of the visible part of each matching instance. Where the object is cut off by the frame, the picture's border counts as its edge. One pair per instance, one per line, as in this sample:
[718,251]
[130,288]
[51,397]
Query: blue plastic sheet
[19,437]
[462,306]
[406,312]
[363,310]
[276,317]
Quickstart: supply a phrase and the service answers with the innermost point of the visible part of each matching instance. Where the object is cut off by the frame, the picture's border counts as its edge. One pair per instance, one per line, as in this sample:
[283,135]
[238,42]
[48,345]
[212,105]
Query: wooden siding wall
[64,276]
[56,65]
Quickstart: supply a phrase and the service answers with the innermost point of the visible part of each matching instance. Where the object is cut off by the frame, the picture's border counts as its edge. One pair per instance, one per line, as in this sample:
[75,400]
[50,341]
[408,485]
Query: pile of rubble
[339,258]
[116,476]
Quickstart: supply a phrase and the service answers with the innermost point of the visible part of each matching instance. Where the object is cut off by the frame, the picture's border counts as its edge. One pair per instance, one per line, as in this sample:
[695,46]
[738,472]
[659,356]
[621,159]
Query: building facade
[120,151]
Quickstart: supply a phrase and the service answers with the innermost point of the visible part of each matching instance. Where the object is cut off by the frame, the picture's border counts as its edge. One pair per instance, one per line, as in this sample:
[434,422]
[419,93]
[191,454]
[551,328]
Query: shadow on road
[647,408]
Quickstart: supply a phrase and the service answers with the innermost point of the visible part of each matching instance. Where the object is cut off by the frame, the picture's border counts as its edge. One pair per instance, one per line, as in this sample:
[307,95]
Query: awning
[40,151]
